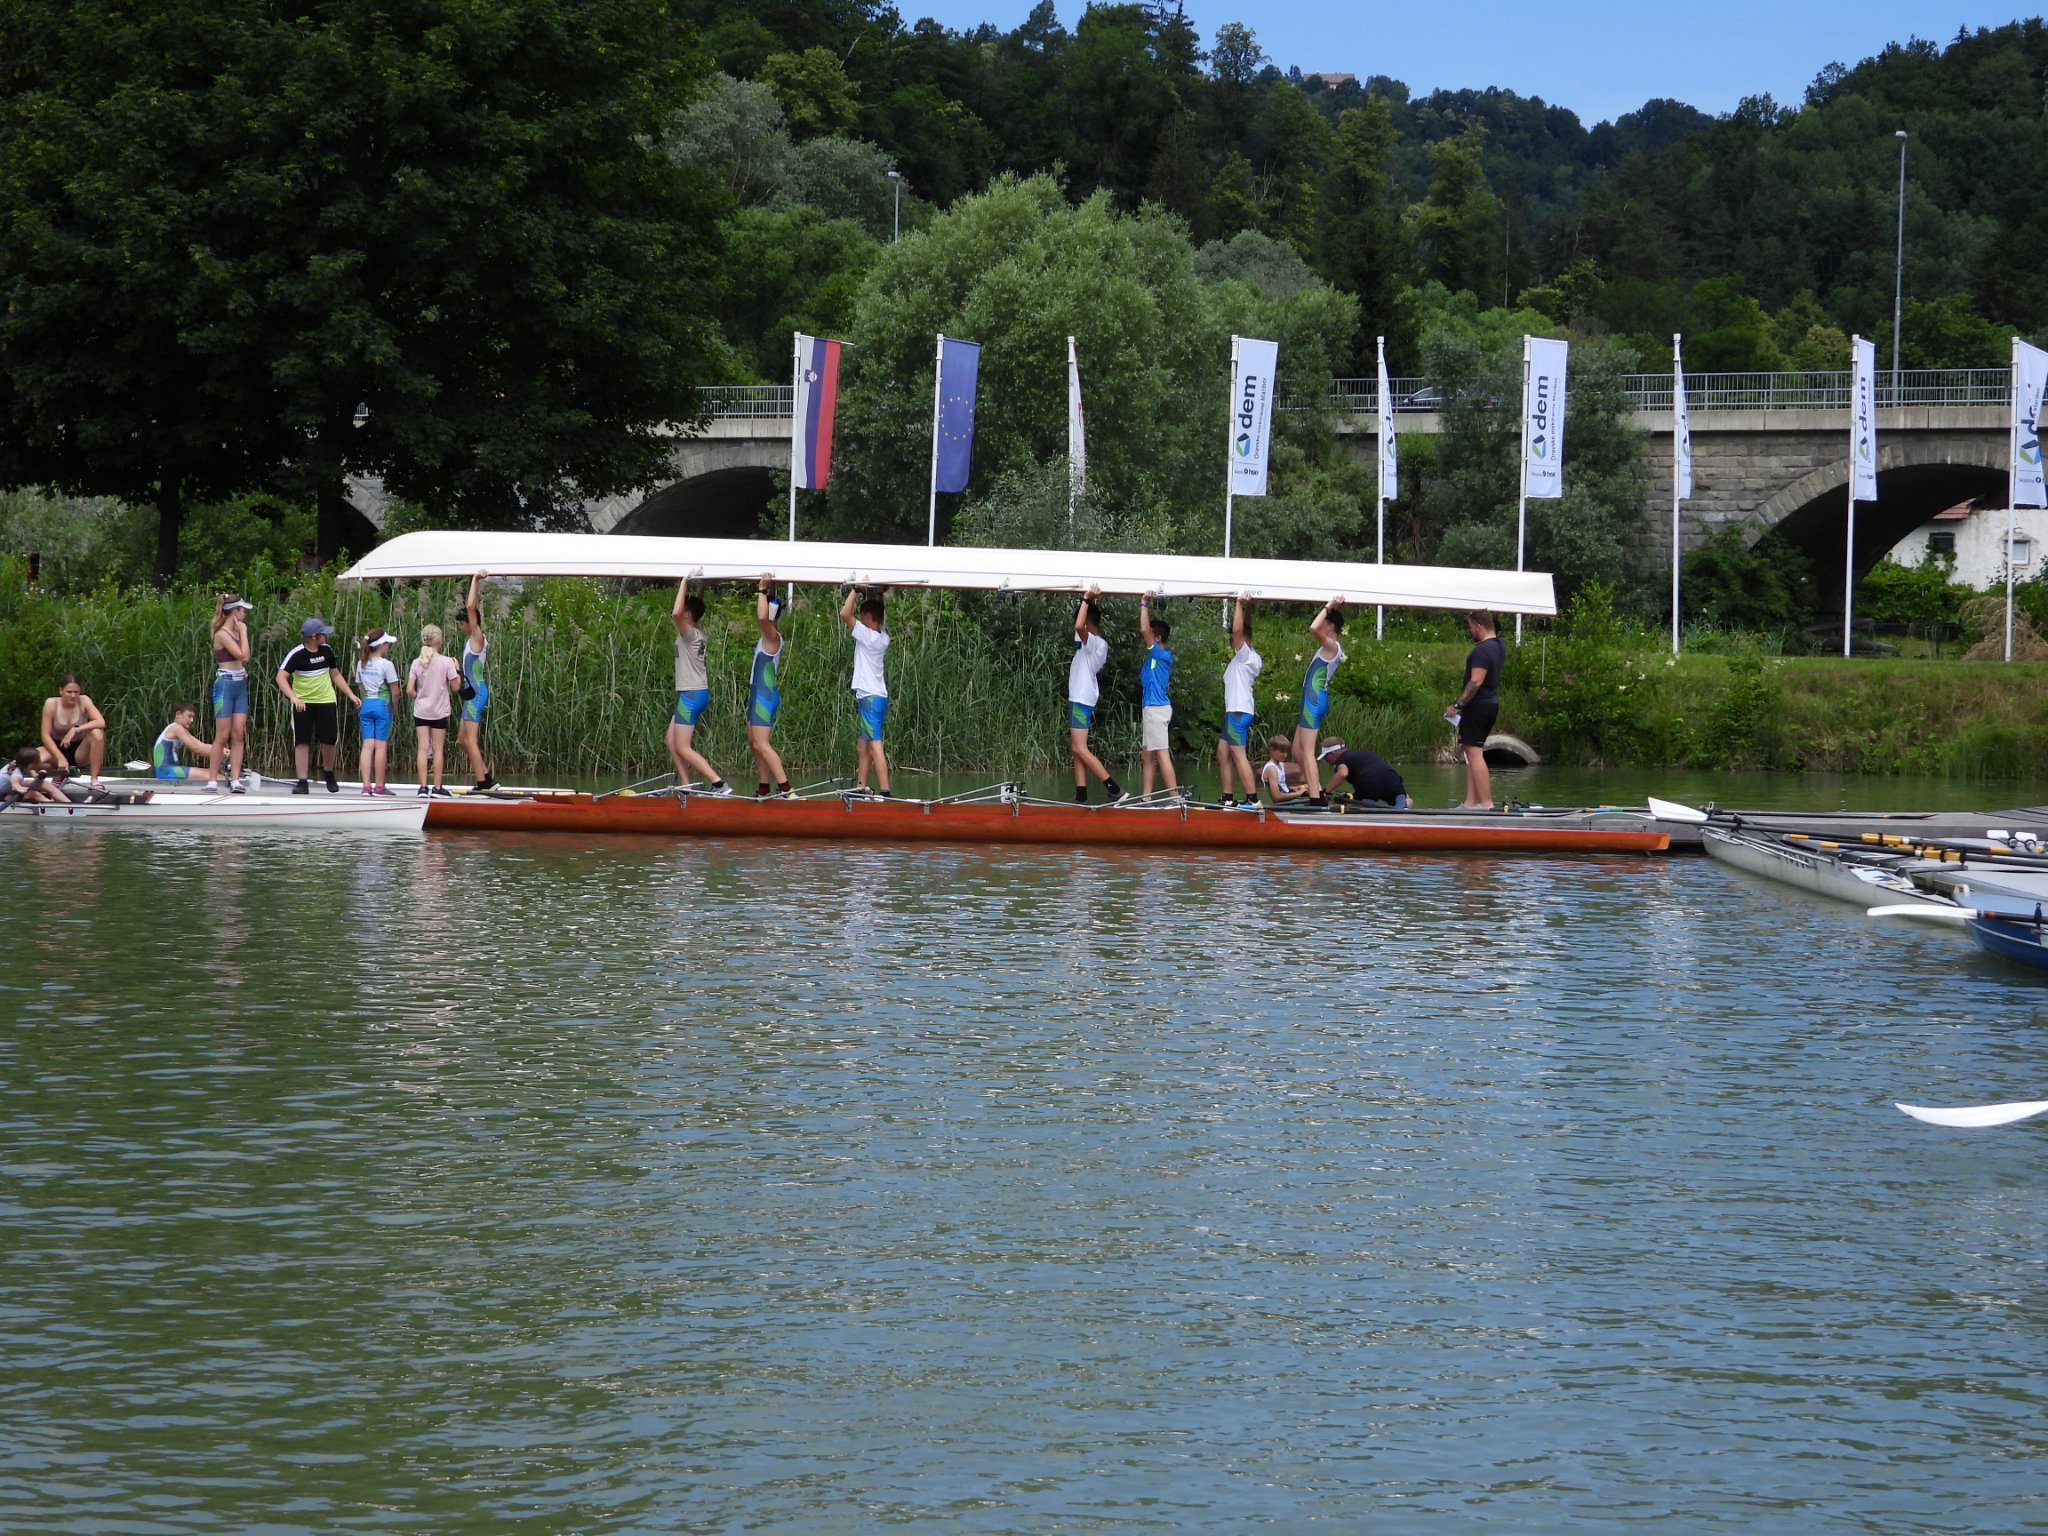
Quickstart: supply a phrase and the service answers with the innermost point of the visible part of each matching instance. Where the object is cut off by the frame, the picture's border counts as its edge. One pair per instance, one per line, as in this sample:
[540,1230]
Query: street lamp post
[896,213]
[1899,268]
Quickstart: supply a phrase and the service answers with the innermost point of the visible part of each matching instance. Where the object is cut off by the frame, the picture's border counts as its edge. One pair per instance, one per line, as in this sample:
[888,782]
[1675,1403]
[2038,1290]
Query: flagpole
[796,416]
[1678,383]
[2012,491]
[1849,532]
[1522,498]
[1379,480]
[931,526]
[1227,466]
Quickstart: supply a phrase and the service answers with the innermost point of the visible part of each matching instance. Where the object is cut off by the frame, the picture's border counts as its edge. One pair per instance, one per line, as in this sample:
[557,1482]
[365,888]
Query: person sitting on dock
[693,694]
[1233,764]
[1477,706]
[1370,776]
[167,752]
[1155,701]
[1279,776]
[1326,626]
[1084,690]
[29,778]
[870,688]
[764,694]
[74,730]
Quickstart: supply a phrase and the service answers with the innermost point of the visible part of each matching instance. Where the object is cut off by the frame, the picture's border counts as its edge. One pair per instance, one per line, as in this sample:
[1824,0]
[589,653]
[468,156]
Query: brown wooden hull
[921,821]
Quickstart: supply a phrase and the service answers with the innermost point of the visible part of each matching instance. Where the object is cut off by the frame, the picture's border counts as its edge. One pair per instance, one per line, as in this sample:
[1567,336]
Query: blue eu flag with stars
[959,368]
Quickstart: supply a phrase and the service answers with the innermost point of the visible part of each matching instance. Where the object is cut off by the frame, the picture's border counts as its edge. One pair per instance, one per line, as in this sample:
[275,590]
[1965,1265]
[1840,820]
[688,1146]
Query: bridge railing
[1825,390]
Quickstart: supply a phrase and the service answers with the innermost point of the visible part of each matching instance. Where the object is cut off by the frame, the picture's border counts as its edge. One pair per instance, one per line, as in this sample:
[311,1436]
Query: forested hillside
[1766,236]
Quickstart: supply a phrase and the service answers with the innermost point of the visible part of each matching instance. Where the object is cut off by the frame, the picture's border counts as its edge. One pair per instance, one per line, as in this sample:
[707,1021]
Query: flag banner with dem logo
[817,403]
[2029,382]
[1863,422]
[1253,364]
[1543,417]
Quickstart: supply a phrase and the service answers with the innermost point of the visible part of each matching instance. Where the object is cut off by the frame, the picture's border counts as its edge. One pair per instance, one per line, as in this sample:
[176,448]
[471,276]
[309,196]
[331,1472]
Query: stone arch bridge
[1770,452]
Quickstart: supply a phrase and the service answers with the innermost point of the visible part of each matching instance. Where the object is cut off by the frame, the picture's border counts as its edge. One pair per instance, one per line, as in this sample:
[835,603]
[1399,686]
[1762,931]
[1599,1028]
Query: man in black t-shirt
[1477,706]
[1368,775]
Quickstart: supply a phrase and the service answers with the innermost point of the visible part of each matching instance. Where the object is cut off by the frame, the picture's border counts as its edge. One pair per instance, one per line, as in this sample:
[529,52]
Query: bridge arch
[1915,480]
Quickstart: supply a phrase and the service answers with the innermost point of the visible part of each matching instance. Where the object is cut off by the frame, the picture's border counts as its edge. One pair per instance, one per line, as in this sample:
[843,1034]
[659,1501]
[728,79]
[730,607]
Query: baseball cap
[314,627]
[1330,751]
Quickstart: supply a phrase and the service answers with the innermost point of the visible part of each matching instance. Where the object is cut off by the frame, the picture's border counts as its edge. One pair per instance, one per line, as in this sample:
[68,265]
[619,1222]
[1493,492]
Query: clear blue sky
[1599,57]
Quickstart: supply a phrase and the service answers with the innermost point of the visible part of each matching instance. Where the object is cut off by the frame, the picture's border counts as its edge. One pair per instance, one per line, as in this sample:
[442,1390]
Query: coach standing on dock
[1477,706]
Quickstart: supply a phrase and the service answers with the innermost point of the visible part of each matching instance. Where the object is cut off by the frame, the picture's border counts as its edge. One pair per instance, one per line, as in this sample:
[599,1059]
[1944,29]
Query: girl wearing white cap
[377,681]
[231,653]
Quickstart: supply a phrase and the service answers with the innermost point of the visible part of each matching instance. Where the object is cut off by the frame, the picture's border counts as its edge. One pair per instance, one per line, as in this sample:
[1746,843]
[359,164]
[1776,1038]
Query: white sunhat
[379,637]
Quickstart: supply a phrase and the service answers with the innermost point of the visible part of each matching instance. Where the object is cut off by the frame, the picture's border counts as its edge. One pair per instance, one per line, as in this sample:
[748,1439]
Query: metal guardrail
[1827,390]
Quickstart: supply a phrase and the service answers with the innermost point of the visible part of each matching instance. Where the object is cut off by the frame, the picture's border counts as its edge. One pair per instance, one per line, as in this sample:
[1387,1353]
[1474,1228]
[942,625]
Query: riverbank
[581,684]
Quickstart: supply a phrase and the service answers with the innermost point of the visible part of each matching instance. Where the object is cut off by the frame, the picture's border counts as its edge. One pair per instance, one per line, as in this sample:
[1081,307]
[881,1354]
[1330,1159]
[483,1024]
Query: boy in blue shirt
[1155,705]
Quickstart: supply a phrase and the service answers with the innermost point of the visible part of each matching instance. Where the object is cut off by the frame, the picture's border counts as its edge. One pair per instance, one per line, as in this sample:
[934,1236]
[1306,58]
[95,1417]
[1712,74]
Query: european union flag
[953,443]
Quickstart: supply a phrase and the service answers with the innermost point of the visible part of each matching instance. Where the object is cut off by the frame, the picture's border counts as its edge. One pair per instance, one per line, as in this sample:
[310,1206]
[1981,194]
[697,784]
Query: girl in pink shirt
[429,683]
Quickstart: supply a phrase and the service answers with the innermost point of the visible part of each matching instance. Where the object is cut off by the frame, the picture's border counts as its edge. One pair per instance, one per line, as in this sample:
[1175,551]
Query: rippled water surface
[458,1184]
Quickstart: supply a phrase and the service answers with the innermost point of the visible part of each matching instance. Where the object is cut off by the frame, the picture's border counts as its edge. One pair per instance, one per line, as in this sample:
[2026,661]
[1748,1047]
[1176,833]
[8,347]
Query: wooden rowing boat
[1015,819]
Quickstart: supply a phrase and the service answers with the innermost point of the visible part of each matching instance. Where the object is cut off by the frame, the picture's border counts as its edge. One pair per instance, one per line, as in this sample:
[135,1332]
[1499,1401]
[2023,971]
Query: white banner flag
[1681,425]
[1077,440]
[2029,382]
[1543,417]
[1863,422]
[1390,452]
[1252,365]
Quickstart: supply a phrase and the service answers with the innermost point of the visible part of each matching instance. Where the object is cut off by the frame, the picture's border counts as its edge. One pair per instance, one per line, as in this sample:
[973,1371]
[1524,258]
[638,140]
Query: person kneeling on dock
[1084,691]
[1370,776]
[764,695]
[693,694]
[167,752]
[870,689]
[1280,777]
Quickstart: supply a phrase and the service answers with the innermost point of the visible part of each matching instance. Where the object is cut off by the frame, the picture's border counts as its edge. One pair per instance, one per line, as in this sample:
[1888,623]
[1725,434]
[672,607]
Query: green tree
[230,226]
[1364,244]
[1458,226]
[815,95]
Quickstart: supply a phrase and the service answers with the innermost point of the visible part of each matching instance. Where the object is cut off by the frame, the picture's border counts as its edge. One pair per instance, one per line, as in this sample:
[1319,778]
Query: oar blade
[1925,911]
[1671,810]
[1971,1116]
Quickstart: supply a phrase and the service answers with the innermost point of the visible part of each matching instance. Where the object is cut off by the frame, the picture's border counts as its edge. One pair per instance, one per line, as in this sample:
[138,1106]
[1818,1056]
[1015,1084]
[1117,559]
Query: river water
[489,1184]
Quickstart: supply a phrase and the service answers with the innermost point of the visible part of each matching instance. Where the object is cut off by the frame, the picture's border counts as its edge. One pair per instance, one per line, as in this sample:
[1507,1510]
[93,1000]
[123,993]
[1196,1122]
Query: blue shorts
[691,704]
[230,696]
[873,709]
[173,771]
[1313,709]
[1079,716]
[473,709]
[375,720]
[1237,729]
[763,707]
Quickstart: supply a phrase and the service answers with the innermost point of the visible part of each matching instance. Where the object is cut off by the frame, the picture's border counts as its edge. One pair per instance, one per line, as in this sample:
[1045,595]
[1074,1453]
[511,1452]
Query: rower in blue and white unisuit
[167,752]
[1325,627]
[1084,691]
[863,619]
[764,692]
[1233,762]
[1155,698]
[693,695]
[476,693]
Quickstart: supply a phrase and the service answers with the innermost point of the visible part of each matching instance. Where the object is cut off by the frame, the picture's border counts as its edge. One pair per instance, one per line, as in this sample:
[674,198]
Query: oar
[1671,810]
[1974,1115]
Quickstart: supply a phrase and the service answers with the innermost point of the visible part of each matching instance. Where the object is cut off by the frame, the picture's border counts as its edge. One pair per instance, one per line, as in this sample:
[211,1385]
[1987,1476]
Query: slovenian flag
[817,402]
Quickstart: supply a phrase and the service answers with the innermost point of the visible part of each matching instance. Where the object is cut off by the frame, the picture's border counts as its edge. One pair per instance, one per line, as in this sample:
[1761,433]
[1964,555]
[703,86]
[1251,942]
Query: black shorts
[319,723]
[431,725]
[1476,724]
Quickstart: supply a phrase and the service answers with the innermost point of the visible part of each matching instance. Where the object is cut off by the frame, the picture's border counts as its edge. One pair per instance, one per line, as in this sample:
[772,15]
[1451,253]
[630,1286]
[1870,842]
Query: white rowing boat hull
[1817,870]
[239,813]
[648,557]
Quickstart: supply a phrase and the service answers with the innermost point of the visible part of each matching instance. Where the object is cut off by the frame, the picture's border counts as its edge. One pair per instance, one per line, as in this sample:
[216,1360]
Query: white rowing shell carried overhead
[990,570]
